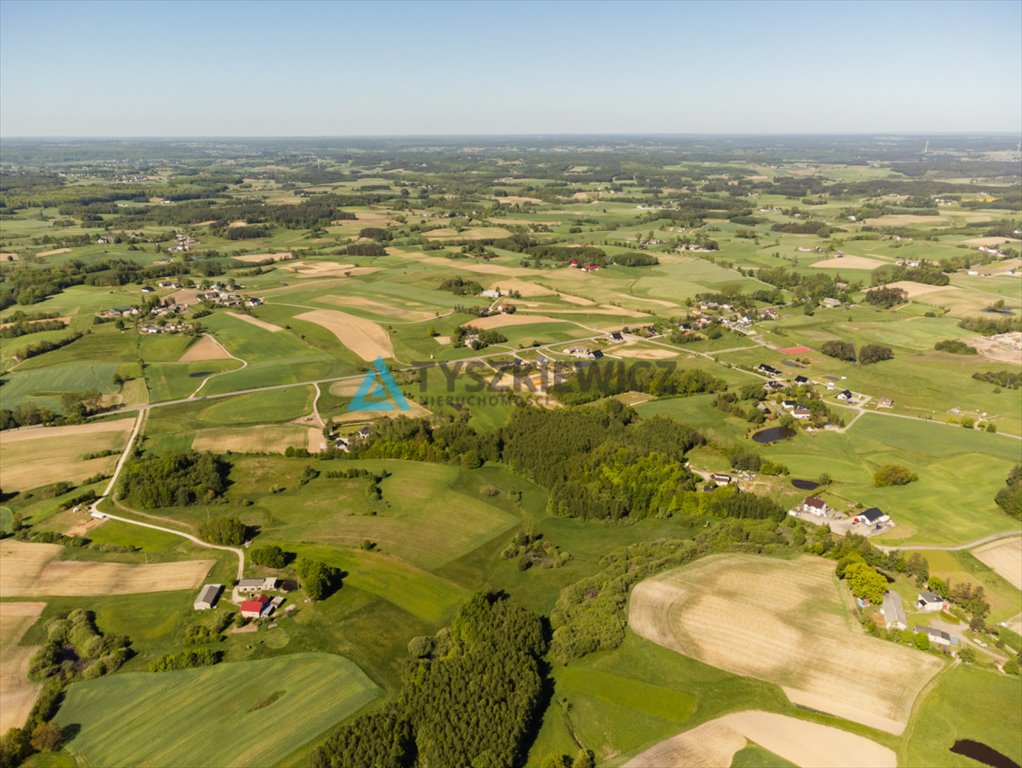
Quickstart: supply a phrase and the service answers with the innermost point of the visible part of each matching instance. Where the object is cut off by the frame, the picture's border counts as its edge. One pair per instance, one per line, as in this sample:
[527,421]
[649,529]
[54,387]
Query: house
[256,607]
[831,303]
[845,395]
[769,370]
[801,413]
[789,405]
[256,585]
[938,636]
[207,597]
[800,380]
[364,432]
[871,516]
[341,444]
[721,478]
[147,289]
[584,353]
[930,602]
[814,505]
[885,402]
[616,336]
[894,611]
[773,386]
[253,302]
[591,268]
[573,264]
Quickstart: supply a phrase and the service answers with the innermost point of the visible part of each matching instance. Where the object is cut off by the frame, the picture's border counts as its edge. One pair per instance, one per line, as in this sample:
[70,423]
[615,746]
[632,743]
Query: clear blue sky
[395,68]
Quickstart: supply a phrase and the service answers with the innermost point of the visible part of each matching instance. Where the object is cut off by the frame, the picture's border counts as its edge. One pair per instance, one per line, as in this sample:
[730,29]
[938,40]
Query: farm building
[939,637]
[894,611]
[722,479]
[257,585]
[814,505]
[931,603]
[830,303]
[885,402]
[871,516]
[257,607]
[207,597]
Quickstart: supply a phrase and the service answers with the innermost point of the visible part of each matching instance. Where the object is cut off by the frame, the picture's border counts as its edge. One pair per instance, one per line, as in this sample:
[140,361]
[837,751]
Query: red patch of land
[795,350]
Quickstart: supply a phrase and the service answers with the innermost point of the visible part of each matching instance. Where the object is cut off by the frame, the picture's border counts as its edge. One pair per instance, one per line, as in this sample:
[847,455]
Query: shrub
[893,474]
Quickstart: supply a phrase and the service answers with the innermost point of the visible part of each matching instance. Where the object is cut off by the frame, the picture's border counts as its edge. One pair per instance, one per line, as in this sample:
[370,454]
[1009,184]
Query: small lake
[984,754]
[773,434]
[200,374]
[805,485]
[995,311]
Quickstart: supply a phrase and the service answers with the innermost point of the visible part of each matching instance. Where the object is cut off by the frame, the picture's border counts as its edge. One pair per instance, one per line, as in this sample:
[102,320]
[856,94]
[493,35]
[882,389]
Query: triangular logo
[378,391]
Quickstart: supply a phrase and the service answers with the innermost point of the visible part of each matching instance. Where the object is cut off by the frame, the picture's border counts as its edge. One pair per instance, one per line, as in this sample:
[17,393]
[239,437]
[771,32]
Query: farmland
[181,718]
[233,298]
[706,609]
[17,693]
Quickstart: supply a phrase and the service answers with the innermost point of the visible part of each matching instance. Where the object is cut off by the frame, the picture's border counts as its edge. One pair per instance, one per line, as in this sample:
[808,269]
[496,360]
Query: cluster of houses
[257,606]
[182,244]
[796,409]
[584,353]
[173,327]
[221,296]
[893,611]
[816,510]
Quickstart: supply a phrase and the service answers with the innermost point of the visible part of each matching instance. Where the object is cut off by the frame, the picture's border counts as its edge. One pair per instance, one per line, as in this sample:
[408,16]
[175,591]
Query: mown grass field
[965,703]
[246,714]
[965,466]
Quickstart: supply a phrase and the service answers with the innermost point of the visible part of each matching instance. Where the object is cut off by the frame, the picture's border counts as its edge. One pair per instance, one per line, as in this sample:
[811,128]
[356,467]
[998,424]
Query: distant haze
[419,68]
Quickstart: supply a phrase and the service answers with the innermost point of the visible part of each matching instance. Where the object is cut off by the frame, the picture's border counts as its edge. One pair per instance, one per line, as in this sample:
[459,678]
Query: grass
[966,703]
[621,702]
[952,463]
[214,716]
[754,756]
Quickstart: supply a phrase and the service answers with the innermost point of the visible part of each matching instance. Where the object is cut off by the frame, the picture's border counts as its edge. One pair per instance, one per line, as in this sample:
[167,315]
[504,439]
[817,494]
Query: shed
[894,611]
[208,596]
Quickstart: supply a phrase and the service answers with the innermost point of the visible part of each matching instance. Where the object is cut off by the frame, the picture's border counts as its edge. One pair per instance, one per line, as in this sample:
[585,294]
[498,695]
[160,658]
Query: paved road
[958,548]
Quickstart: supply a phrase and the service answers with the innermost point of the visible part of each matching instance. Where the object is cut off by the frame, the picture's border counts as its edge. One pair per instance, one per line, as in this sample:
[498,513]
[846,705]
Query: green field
[247,714]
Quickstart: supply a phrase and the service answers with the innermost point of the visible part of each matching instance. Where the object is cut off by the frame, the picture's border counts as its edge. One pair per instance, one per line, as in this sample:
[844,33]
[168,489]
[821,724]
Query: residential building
[871,516]
[814,505]
[939,637]
[930,602]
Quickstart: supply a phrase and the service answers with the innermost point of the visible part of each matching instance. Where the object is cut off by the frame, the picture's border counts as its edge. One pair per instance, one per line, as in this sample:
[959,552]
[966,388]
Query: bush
[842,350]
[270,556]
[224,530]
[955,347]
[893,474]
[318,579]
[874,353]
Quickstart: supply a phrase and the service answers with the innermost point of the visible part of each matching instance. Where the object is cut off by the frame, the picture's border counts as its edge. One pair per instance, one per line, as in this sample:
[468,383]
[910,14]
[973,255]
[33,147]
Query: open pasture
[387,311]
[252,713]
[30,570]
[363,337]
[952,463]
[801,742]
[39,456]
[17,693]
[793,628]
[255,321]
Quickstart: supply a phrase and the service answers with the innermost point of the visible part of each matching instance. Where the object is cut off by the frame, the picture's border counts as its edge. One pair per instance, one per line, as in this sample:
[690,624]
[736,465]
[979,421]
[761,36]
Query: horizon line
[625,134]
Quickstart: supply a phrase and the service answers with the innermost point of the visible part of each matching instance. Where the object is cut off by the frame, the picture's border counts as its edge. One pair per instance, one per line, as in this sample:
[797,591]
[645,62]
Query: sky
[509,68]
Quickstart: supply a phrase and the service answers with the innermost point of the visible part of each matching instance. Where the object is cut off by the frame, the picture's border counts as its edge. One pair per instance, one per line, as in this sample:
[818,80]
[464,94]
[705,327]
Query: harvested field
[642,353]
[206,348]
[582,302]
[988,241]
[311,269]
[710,745]
[85,524]
[849,262]
[906,220]
[275,438]
[256,322]
[485,269]
[390,311]
[999,267]
[442,340]
[185,296]
[512,199]
[524,287]
[1005,557]
[28,570]
[1004,348]
[363,337]
[471,233]
[503,321]
[798,741]
[315,440]
[17,693]
[39,456]
[794,628]
[916,289]
[254,258]
[55,252]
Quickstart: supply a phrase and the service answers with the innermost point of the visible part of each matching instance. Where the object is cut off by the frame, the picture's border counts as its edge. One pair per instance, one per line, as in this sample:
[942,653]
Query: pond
[773,434]
[200,374]
[805,485]
[984,754]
